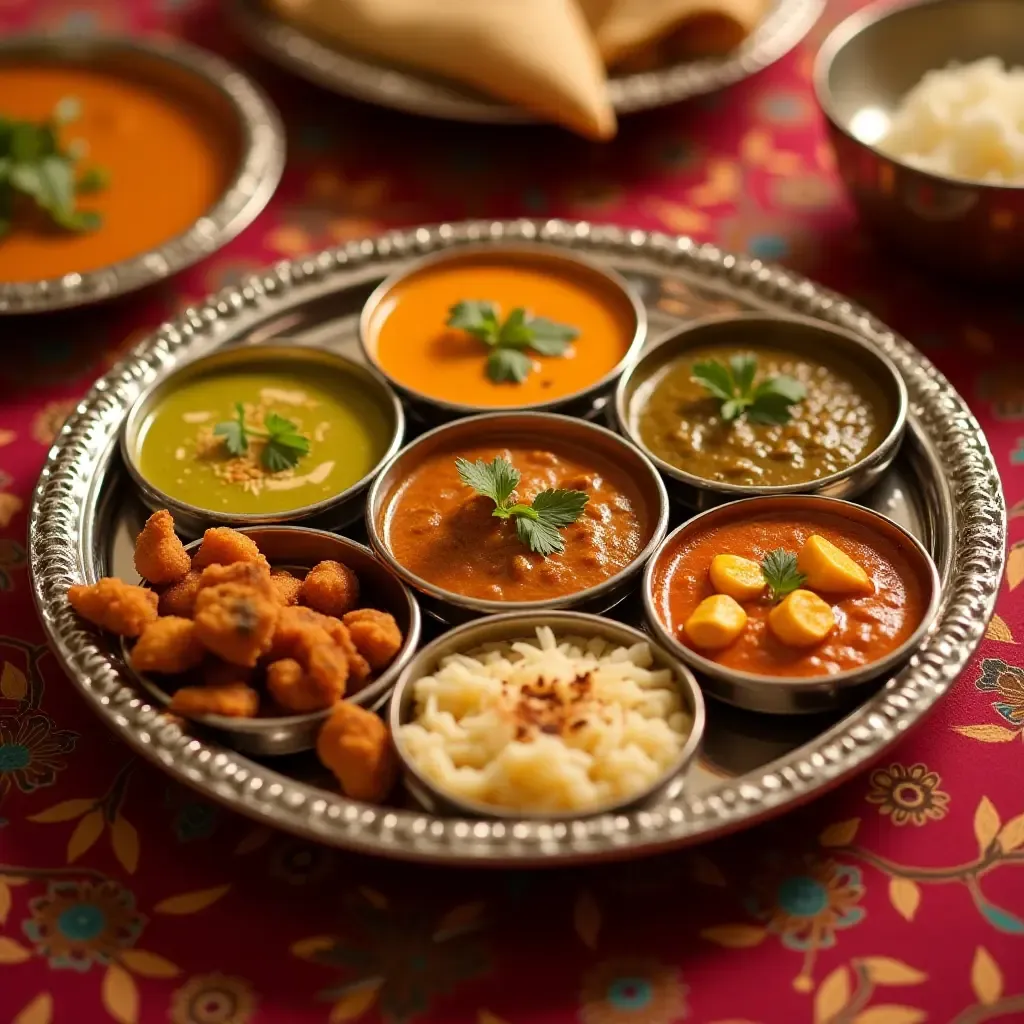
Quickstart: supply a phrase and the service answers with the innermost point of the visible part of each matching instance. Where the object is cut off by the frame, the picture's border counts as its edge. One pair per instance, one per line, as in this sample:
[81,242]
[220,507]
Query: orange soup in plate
[408,333]
[166,158]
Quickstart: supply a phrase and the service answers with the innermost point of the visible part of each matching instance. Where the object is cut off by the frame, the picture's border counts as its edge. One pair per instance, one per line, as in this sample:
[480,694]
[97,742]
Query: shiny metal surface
[580,403]
[335,512]
[502,428]
[775,694]
[298,548]
[247,112]
[784,25]
[862,72]
[522,626]
[800,335]
[943,486]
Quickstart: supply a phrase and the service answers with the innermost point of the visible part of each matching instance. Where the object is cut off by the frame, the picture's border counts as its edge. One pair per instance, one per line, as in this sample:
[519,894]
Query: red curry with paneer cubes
[801,595]
[446,532]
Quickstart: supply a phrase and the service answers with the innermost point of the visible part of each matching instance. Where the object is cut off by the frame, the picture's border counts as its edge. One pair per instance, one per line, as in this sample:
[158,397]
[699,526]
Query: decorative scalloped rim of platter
[785,24]
[56,523]
[261,166]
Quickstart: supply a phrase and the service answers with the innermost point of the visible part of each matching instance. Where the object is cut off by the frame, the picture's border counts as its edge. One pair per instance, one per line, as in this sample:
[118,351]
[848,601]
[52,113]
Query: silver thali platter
[944,488]
[785,23]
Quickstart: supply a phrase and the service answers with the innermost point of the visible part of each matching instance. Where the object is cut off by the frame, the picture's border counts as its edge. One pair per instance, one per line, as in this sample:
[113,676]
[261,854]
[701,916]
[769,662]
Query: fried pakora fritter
[236,700]
[358,666]
[330,588]
[115,606]
[286,586]
[295,625]
[223,673]
[375,634]
[356,746]
[168,646]
[311,687]
[160,557]
[180,598]
[248,574]
[235,622]
[223,546]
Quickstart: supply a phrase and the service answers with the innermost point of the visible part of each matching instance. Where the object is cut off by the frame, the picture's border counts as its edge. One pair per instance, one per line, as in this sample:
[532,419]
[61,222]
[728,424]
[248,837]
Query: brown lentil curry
[842,419]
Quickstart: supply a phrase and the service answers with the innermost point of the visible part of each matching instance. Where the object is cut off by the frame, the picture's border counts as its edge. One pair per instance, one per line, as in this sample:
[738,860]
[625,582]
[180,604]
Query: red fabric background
[123,897]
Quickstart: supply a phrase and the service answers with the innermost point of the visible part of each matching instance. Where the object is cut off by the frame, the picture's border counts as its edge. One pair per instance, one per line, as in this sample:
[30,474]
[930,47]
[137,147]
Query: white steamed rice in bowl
[547,725]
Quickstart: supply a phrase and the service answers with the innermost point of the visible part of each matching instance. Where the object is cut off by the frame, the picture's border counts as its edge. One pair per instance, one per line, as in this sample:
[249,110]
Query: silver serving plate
[352,74]
[261,162]
[943,487]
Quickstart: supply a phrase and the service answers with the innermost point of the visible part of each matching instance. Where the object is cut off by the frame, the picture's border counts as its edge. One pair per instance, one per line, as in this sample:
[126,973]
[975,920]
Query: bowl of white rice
[924,104]
[539,715]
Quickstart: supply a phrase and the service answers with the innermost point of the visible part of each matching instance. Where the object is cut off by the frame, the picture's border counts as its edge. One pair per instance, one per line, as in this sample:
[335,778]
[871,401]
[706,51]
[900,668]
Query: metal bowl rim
[376,498]
[883,451]
[575,623]
[837,40]
[792,684]
[255,178]
[461,409]
[153,494]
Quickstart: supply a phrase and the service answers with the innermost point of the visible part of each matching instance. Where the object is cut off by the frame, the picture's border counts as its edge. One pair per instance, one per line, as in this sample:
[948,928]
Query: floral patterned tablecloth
[898,898]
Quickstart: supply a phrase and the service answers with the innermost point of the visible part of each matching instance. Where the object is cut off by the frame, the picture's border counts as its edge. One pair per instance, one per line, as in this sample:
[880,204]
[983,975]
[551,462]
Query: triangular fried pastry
[537,54]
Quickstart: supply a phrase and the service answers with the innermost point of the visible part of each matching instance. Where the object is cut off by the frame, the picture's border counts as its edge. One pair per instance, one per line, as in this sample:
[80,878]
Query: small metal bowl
[332,513]
[500,428]
[522,626]
[581,403]
[783,694]
[298,548]
[247,112]
[865,68]
[800,335]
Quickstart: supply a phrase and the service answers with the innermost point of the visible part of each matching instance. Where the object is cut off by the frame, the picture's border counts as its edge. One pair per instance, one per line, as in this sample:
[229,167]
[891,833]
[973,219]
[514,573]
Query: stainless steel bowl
[813,338]
[523,626]
[502,428]
[298,548]
[335,512]
[863,70]
[248,114]
[580,403]
[787,695]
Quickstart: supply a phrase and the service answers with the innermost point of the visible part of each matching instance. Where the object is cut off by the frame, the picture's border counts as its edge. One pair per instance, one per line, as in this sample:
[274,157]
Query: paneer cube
[801,619]
[715,622]
[738,577]
[830,570]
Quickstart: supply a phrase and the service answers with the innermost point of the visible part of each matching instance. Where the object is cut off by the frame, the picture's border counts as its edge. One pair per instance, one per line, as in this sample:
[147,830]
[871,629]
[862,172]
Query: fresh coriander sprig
[35,167]
[768,402]
[780,571]
[508,340]
[283,444]
[537,525]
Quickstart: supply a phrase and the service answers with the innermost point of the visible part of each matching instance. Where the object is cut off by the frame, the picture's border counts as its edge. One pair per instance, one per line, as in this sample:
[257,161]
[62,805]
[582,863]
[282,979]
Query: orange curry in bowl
[504,330]
[800,595]
[166,156]
[444,531]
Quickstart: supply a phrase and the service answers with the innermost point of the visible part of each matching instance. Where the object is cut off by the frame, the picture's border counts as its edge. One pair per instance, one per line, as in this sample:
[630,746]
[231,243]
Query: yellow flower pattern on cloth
[632,990]
[908,794]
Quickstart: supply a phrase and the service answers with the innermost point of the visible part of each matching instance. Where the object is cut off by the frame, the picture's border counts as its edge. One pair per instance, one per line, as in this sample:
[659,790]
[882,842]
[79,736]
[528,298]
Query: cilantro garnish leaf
[537,524]
[283,445]
[34,167]
[509,339]
[769,402]
[236,438]
[781,573]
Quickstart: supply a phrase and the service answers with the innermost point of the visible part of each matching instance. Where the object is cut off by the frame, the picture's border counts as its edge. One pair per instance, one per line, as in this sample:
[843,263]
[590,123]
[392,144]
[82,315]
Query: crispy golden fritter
[180,598]
[300,690]
[330,588]
[236,700]
[356,746]
[235,622]
[248,574]
[358,666]
[169,646]
[375,634]
[223,546]
[115,605]
[160,557]
[223,673]
[295,625]
[286,586]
